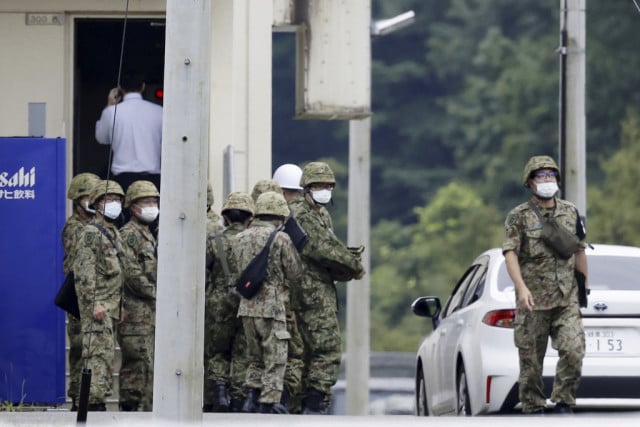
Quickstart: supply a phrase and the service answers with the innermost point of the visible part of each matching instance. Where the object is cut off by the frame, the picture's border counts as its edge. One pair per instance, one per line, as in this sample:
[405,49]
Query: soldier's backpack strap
[222,255]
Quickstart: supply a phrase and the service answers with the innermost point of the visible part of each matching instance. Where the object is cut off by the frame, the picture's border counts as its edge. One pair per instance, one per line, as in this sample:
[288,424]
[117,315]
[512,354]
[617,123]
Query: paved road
[50,418]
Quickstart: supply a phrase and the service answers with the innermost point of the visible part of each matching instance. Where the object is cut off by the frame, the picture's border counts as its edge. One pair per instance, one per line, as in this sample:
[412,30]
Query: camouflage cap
[240,201]
[263,186]
[104,187]
[317,172]
[138,190]
[81,185]
[272,203]
[536,163]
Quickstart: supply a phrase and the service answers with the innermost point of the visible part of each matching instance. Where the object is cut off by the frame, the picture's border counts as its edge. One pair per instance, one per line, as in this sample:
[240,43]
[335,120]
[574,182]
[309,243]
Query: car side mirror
[427,307]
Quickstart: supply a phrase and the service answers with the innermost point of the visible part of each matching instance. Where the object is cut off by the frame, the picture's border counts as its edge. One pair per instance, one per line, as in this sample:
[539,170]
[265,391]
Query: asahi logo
[21,178]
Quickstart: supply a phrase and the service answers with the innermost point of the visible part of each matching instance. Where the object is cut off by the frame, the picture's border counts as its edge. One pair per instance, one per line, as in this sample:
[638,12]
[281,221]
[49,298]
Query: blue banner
[32,214]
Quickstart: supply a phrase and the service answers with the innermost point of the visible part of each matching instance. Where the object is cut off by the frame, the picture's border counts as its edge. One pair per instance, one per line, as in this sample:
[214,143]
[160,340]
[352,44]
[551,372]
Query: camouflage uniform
[214,226]
[556,313]
[70,234]
[226,361]
[80,186]
[326,260]
[99,280]
[136,332]
[263,316]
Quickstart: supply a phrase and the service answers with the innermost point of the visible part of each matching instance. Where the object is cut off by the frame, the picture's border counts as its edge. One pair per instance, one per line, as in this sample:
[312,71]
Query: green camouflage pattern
[104,187]
[536,163]
[225,346]
[70,234]
[263,186]
[81,185]
[99,280]
[264,316]
[283,269]
[267,345]
[272,203]
[326,259]
[138,190]
[136,332]
[555,314]
[239,201]
[550,279]
[317,173]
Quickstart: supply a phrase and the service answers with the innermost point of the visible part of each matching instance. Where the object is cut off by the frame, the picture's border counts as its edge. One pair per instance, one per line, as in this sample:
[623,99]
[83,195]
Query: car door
[444,392]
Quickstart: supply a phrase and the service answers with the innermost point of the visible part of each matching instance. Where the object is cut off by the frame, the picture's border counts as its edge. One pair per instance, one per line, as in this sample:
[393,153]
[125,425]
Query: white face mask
[149,214]
[321,197]
[85,206]
[546,190]
[112,210]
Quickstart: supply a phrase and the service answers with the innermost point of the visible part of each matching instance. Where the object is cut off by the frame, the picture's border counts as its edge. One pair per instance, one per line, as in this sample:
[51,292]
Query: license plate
[608,341]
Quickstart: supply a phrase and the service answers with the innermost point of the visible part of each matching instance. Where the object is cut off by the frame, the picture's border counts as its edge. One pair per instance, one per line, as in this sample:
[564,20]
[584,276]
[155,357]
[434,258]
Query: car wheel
[464,403]
[422,410]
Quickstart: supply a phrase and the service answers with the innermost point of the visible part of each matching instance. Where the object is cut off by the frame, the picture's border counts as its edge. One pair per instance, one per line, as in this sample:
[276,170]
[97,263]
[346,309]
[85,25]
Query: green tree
[612,211]
[426,258]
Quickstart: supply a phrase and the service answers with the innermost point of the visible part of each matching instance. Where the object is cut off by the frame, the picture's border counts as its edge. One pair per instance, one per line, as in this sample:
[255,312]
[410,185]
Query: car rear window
[605,273]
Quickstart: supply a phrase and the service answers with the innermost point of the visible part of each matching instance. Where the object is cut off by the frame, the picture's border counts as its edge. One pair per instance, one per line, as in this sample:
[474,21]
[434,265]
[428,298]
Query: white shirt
[137,137]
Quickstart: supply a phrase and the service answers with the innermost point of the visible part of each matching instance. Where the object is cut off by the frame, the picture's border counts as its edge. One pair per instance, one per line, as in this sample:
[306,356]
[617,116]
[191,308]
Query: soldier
[226,362]
[136,332]
[326,260]
[99,279]
[546,289]
[214,226]
[288,177]
[263,316]
[79,191]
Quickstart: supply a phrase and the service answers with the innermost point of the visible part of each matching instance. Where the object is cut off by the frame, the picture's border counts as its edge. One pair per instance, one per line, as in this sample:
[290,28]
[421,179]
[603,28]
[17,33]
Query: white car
[468,364]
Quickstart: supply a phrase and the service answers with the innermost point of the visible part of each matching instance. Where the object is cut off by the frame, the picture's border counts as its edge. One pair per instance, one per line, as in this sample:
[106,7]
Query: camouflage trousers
[531,332]
[267,347]
[295,364]
[225,345]
[136,371]
[322,347]
[98,350]
[74,333]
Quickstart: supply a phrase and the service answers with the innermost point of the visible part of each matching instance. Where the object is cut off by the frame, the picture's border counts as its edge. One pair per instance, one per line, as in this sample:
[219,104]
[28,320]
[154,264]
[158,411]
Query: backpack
[253,276]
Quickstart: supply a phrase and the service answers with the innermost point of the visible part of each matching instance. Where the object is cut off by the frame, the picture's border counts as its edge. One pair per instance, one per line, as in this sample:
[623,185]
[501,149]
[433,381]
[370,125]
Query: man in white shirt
[136,137]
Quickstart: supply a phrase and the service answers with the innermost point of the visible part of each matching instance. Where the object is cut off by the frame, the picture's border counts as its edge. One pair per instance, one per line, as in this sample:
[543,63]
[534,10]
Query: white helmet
[288,176]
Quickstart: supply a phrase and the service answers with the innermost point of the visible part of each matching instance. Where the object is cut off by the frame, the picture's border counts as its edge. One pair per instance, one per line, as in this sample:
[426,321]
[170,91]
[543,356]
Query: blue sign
[32,214]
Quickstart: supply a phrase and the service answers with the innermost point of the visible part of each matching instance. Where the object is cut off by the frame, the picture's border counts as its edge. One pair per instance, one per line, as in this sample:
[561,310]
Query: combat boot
[96,407]
[250,404]
[129,406]
[236,405]
[273,408]
[313,404]
[220,400]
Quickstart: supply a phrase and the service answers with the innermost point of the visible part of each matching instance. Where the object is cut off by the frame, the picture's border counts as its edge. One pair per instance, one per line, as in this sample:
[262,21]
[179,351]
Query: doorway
[97,56]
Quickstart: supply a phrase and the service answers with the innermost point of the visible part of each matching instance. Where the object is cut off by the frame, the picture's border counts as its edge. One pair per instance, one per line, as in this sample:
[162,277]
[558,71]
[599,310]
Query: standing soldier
[79,191]
[226,362]
[214,226]
[288,177]
[136,332]
[99,279]
[546,289]
[326,260]
[263,316]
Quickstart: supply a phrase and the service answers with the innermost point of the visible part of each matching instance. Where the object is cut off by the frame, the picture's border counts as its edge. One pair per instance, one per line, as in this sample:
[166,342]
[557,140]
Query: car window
[457,296]
[609,272]
[474,291]
[618,273]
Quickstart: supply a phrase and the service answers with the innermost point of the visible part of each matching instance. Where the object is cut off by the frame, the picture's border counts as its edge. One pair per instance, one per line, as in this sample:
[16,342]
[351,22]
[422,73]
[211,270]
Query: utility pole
[359,225]
[178,373]
[572,138]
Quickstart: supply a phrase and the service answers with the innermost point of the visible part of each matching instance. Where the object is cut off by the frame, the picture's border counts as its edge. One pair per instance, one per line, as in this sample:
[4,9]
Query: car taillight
[500,318]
